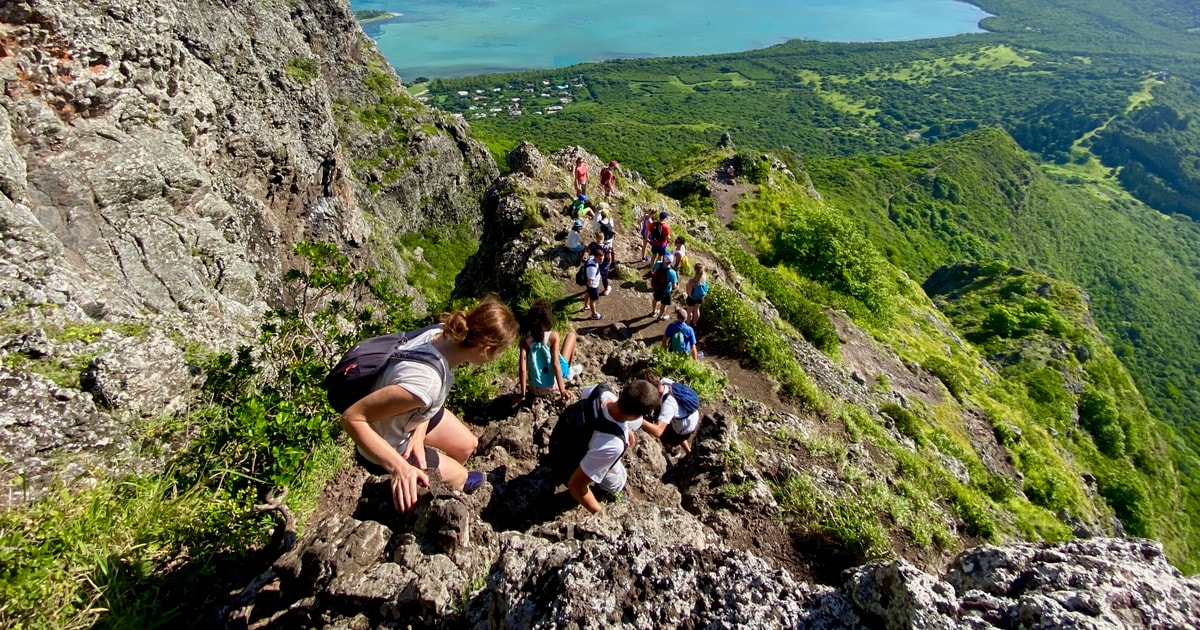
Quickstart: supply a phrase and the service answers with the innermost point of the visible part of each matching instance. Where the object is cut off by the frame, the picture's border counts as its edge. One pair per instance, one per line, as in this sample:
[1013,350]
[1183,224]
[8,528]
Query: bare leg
[453,473]
[568,348]
[453,438]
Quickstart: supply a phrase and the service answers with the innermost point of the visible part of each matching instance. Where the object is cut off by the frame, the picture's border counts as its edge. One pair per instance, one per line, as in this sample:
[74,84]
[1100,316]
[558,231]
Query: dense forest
[1102,96]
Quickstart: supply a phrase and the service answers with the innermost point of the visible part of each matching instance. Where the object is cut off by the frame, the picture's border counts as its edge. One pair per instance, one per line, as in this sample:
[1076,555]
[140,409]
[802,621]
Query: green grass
[303,70]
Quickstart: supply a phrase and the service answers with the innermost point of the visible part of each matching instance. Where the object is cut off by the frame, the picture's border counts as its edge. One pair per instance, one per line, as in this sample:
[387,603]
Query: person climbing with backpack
[679,337]
[592,434]
[546,359]
[608,178]
[579,209]
[659,235]
[697,290]
[592,279]
[662,284]
[678,416]
[391,392]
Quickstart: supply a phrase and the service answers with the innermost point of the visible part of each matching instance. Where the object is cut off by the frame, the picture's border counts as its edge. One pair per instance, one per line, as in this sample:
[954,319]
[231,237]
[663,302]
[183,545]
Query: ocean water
[445,38]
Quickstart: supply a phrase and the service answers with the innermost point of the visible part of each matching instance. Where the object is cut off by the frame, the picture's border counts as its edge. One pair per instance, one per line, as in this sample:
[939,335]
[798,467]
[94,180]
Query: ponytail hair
[490,324]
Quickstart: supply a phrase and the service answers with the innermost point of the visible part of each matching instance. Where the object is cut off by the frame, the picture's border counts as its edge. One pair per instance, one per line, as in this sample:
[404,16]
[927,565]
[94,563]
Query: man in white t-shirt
[671,426]
[601,465]
[592,273]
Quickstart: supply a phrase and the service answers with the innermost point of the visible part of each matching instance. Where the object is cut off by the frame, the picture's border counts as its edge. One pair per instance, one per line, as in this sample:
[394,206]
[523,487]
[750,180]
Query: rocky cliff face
[159,159]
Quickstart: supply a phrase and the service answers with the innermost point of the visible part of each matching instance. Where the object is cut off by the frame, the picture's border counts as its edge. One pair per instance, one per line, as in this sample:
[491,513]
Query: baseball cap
[578,223]
[662,215]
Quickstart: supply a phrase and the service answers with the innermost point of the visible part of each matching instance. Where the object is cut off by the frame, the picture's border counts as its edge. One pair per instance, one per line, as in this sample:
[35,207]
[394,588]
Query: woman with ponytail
[398,426]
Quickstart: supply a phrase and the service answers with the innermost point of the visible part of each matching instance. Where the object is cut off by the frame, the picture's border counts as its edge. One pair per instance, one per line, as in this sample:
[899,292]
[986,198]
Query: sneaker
[475,479]
[597,316]
[663,318]
[607,290]
[645,259]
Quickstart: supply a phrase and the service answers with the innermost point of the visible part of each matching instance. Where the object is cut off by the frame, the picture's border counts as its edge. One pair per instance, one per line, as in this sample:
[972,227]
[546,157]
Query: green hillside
[981,197]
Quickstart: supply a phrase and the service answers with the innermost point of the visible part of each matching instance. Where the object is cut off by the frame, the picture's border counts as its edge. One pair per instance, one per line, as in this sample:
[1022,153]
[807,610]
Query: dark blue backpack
[688,399]
[354,376]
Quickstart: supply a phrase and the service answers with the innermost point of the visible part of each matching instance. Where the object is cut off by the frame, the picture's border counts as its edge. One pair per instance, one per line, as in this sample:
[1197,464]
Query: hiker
[662,284]
[607,264]
[592,434]
[697,290]
[679,337]
[400,423]
[579,207]
[546,357]
[593,279]
[575,239]
[608,178]
[581,176]
[678,416]
[644,229]
[659,235]
[680,256]
[602,224]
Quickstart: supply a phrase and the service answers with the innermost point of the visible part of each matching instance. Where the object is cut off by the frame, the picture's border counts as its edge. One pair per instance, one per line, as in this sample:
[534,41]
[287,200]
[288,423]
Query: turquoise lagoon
[447,38]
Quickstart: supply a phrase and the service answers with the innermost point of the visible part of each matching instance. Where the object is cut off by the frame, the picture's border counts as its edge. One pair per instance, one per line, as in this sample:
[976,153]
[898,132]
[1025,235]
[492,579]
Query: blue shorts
[594,293]
[658,250]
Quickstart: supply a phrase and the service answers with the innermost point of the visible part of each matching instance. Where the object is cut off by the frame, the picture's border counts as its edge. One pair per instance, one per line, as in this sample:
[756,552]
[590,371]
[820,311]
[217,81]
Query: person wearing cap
[579,207]
[685,343]
[608,178]
[581,176]
[575,237]
[603,224]
[659,235]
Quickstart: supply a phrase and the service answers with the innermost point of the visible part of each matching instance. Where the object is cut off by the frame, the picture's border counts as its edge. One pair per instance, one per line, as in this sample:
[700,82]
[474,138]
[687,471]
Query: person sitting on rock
[679,337]
[679,415]
[575,239]
[546,357]
[399,424]
[579,208]
[592,434]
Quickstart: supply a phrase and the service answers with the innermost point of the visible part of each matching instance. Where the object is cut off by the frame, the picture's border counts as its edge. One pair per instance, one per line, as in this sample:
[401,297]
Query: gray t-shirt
[423,382]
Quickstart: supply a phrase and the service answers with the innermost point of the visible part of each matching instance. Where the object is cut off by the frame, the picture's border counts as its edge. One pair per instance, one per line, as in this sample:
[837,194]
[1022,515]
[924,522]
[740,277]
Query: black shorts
[593,293]
[663,297]
[672,438]
[691,301]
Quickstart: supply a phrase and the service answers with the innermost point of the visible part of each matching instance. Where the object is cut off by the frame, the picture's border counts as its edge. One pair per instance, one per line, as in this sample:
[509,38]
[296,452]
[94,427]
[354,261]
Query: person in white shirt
[594,279]
[672,426]
[399,424]
[575,238]
[601,465]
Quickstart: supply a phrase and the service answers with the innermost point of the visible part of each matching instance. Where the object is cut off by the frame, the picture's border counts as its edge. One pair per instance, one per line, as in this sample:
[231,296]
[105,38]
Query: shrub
[698,375]
[828,247]
[907,422]
[1129,498]
[303,70]
[1099,416]
[969,506]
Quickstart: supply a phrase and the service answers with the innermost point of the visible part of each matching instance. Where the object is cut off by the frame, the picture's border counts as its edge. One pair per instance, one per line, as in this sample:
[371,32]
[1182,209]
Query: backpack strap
[427,356]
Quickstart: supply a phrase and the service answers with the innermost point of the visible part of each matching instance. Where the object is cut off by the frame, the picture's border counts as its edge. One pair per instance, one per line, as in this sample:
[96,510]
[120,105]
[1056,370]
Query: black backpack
[658,232]
[573,431]
[354,376]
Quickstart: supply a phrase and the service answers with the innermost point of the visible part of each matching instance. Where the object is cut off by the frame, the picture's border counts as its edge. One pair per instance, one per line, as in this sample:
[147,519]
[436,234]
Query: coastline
[379,18]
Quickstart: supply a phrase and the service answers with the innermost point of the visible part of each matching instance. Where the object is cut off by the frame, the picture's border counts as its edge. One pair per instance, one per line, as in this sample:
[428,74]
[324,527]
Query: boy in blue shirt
[679,337]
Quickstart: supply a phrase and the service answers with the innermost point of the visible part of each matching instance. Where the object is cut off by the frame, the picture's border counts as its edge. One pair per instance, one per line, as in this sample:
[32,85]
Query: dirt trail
[629,305]
[726,191]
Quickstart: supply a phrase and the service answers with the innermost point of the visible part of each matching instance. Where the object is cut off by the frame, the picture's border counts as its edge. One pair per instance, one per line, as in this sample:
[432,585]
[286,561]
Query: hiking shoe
[607,291]
[475,479]
[597,316]
[645,259]
[663,318]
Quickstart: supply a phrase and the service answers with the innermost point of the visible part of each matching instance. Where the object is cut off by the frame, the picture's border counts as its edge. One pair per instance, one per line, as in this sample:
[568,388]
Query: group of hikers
[664,267]
[391,392]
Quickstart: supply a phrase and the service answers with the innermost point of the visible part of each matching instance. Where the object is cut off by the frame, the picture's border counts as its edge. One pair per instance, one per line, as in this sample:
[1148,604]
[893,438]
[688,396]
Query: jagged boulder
[144,377]
[526,159]
[50,433]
